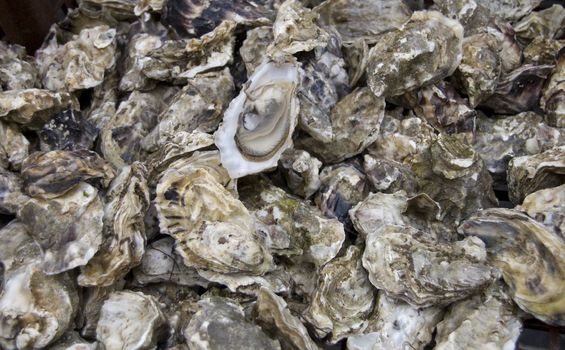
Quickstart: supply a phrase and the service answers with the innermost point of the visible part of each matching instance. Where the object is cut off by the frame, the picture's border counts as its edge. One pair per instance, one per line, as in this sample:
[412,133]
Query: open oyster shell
[259,122]
[130,320]
[530,256]
[424,50]
[413,267]
[344,298]
[14,146]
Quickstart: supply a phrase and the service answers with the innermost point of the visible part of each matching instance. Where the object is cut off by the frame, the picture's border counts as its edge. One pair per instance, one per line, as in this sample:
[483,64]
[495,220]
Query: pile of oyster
[268,174]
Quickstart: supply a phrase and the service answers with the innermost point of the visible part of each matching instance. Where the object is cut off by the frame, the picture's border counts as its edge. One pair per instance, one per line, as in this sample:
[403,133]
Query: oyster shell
[67,228]
[545,23]
[220,324]
[355,55]
[529,174]
[542,51]
[301,172]
[344,298]
[253,51]
[81,62]
[425,50]
[553,97]
[389,176]
[177,60]
[104,102]
[410,266]
[355,122]
[52,174]
[548,207]
[130,320]
[364,19]
[194,18]
[397,325]
[14,146]
[473,16]
[259,122]
[530,256]
[509,9]
[33,107]
[71,340]
[198,106]
[17,70]
[68,130]
[510,49]
[89,313]
[273,313]
[124,231]
[11,192]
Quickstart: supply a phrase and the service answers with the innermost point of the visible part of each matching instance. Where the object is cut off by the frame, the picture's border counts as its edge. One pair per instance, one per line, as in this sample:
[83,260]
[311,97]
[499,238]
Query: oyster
[510,49]
[542,51]
[259,122]
[89,313]
[397,325]
[198,106]
[364,19]
[389,176]
[546,23]
[14,146]
[548,207]
[52,174]
[17,70]
[355,122]
[411,266]
[301,172]
[425,50]
[273,313]
[33,107]
[68,130]
[528,174]
[530,256]
[343,299]
[519,90]
[124,231]
[510,10]
[11,192]
[103,103]
[253,51]
[130,320]
[355,55]
[473,16]
[71,340]
[482,321]
[81,62]
[553,97]
[194,18]
[177,60]
[220,324]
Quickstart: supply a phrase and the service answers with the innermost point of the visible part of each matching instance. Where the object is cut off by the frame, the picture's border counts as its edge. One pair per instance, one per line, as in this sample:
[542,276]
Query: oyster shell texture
[284,174]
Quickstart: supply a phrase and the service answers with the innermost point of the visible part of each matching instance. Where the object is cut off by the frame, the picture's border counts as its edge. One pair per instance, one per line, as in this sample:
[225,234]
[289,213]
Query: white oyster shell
[249,139]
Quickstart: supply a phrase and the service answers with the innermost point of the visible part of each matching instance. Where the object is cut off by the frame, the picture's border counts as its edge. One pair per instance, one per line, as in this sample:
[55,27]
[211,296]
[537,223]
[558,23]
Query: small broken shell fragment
[198,106]
[553,98]
[127,200]
[301,172]
[220,324]
[258,124]
[397,325]
[389,176]
[33,107]
[130,320]
[528,174]
[355,122]
[344,298]
[273,314]
[410,266]
[531,257]
[253,51]
[81,62]
[12,196]
[487,320]
[68,130]
[161,263]
[17,69]
[519,90]
[192,18]
[67,228]
[52,174]
[209,224]
[480,67]
[548,207]
[425,50]
[546,23]
[14,146]
[295,29]
[291,226]
[364,19]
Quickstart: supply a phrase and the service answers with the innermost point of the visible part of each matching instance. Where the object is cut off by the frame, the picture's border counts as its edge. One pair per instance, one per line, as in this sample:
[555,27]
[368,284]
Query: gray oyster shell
[473,16]
[482,321]
[355,56]
[530,256]
[528,174]
[127,200]
[389,176]
[510,10]
[130,320]
[71,340]
[81,62]
[273,314]
[355,122]
[89,313]
[17,70]
[546,23]
[425,50]
[410,266]
[542,51]
[220,324]
[364,19]
[12,196]
[548,207]
[301,172]
[397,325]
[343,300]
[553,97]
[253,51]
[68,130]
[14,146]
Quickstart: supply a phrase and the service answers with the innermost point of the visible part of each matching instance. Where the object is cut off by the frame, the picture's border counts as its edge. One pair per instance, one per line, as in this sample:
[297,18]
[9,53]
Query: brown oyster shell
[301,172]
[553,98]
[546,23]
[548,207]
[14,146]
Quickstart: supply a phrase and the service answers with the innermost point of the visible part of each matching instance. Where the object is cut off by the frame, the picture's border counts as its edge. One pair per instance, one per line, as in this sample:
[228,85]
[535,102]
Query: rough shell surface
[14,146]
[301,172]
[553,97]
